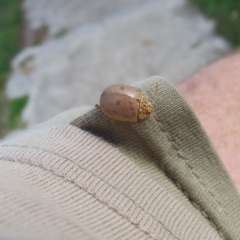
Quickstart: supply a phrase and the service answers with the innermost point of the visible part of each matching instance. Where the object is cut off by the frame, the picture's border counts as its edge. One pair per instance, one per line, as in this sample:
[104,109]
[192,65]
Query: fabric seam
[177,149]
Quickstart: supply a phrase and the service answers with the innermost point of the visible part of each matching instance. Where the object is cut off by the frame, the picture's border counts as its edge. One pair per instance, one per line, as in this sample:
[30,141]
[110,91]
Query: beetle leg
[97,106]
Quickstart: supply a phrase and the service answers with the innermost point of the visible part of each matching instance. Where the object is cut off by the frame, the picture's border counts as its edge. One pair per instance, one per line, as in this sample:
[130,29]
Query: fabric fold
[174,138]
[85,175]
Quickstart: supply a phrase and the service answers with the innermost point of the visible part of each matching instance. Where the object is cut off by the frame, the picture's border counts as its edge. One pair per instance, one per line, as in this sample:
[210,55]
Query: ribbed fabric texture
[62,182]
[173,139]
[97,178]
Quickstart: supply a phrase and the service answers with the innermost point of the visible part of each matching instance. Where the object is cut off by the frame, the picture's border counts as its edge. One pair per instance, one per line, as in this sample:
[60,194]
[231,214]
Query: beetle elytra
[125,103]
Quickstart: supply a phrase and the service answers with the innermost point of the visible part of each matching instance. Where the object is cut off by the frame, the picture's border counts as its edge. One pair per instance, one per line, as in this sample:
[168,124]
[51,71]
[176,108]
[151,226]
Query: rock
[167,38]
[61,15]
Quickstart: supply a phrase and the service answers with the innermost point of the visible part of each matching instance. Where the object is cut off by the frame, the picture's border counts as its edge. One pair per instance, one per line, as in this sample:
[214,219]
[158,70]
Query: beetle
[125,103]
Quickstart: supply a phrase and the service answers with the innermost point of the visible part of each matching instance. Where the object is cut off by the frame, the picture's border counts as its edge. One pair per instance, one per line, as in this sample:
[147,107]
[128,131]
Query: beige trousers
[82,175]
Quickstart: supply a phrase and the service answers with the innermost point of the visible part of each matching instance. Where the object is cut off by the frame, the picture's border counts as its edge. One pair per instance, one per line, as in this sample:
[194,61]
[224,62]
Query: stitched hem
[191,168]
[180,154]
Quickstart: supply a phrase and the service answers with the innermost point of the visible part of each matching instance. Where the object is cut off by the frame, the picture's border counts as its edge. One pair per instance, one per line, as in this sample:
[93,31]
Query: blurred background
[60,54]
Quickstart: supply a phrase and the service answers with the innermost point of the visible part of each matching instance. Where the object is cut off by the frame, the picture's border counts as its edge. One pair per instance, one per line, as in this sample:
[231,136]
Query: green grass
[11,23]
[227,16]
[15,108]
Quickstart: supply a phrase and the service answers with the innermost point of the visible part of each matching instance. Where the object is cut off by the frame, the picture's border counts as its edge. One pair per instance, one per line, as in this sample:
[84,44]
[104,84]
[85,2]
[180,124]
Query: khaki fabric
[83,175]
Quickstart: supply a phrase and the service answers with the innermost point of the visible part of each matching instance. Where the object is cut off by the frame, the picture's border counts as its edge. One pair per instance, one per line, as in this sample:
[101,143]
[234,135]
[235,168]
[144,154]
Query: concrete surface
[107,42]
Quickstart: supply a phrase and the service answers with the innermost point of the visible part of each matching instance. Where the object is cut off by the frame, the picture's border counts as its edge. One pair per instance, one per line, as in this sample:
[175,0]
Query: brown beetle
[125,103]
